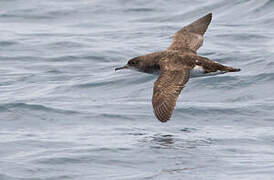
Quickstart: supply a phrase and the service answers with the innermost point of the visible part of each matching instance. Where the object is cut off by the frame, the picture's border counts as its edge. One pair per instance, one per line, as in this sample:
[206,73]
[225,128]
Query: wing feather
[191,36]
[167,88]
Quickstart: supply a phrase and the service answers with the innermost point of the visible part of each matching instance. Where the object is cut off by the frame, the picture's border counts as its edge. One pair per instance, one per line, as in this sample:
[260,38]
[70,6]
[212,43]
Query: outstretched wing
[168,87]
[191,36]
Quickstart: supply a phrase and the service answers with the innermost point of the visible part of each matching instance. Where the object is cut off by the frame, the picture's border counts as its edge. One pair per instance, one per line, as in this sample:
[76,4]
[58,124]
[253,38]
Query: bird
[176,65]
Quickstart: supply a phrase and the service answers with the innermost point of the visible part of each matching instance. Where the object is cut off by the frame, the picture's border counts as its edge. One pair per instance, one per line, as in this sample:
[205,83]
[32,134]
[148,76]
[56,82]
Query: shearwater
[176,65]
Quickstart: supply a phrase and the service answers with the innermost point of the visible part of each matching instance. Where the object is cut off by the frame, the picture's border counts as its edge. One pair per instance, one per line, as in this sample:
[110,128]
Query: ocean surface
[65,114]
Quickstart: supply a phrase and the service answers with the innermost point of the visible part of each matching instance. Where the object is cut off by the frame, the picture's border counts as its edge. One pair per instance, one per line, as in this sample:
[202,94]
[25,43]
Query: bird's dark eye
[132,62]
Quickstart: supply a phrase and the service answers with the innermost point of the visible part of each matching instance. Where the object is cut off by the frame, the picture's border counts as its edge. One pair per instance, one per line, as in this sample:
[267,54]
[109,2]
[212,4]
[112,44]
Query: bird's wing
[191,36]
[167,88]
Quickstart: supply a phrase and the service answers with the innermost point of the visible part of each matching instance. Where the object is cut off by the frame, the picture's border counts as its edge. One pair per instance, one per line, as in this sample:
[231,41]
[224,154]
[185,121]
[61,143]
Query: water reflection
[162,141]
[169,141]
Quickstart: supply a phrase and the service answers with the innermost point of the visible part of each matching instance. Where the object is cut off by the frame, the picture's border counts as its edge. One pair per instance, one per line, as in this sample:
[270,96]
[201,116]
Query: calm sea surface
[65,114]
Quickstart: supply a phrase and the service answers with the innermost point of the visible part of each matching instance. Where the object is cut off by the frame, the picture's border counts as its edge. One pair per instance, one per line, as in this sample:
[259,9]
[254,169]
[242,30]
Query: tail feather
[232,69]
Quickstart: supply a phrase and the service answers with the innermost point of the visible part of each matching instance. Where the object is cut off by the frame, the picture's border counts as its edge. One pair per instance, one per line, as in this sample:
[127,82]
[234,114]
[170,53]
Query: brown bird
[175,66]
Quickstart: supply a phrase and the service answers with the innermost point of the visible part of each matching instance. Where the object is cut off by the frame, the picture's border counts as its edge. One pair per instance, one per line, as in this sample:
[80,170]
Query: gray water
[65,113]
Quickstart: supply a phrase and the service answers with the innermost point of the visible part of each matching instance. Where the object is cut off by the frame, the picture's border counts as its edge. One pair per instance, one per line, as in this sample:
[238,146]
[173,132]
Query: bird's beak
[123,67]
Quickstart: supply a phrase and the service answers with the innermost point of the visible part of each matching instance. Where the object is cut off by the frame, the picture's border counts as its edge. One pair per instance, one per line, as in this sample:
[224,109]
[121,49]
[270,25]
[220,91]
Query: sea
[65,114]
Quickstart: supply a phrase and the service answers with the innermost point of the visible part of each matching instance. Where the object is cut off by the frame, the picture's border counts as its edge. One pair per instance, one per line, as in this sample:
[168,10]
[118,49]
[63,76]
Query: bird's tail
[232,69]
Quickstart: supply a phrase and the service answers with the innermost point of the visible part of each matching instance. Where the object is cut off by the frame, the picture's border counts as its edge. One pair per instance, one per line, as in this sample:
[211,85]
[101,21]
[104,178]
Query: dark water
[65,113]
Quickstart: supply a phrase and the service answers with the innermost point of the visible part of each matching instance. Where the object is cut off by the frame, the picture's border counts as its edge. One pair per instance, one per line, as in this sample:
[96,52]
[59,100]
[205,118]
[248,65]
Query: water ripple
[65,113]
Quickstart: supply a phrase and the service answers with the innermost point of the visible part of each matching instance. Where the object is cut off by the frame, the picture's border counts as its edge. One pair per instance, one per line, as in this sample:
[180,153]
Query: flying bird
[176,65]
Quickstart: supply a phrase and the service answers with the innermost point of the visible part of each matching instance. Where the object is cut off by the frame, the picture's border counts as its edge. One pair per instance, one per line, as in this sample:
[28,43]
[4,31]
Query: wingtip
[159,116]
[200,25]
[208,16]
[163,120]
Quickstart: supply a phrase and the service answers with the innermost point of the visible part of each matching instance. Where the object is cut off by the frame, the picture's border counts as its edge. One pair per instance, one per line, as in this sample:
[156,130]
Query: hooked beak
[123,67]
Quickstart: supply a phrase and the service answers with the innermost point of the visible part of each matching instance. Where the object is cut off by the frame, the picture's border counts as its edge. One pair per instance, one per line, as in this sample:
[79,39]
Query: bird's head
[134,63]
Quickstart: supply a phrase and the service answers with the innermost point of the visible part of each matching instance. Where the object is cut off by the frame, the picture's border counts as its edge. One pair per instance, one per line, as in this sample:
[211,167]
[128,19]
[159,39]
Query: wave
[33,107]
[236,110]
[233,82]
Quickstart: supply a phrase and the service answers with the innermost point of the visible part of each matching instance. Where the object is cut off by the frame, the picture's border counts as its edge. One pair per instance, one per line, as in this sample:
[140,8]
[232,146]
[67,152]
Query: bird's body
[176,65]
